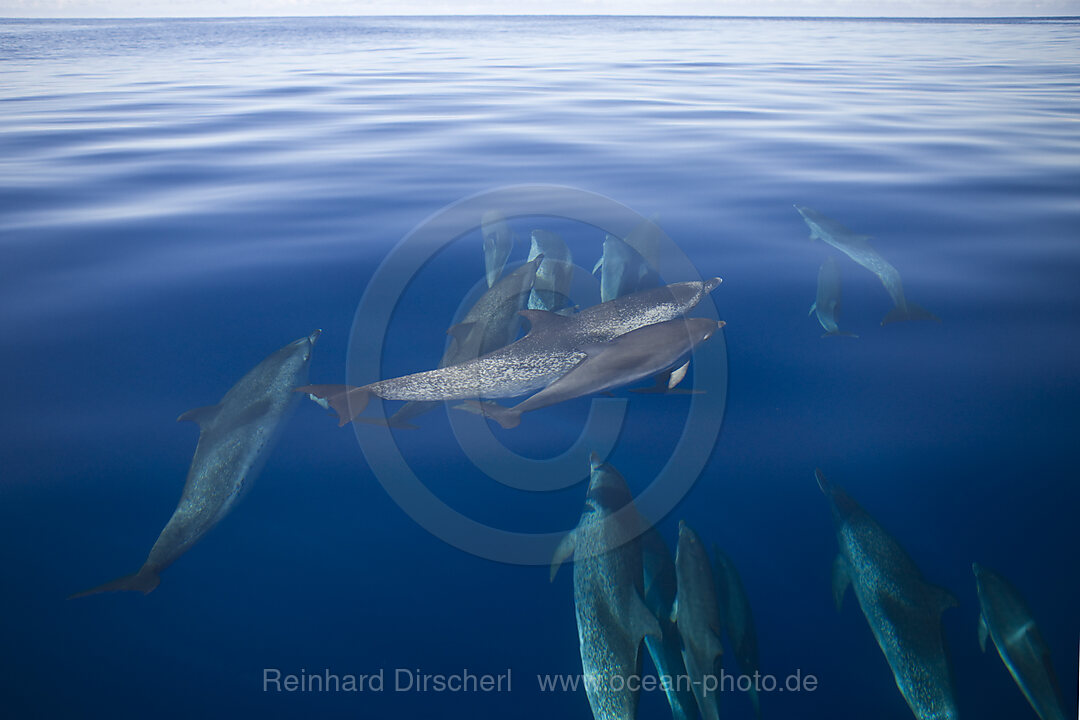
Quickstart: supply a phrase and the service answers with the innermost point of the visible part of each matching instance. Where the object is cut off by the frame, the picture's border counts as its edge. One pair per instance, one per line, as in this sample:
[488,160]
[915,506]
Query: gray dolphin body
[498,242]
[552,347]
[827,303]
[858,248]
[902,609]
[623,270]
[666,653]
[552,288]
[490,324]
[737,619]
[1006,619]
[697,616]
[611,615]
[235,437]
[626,359]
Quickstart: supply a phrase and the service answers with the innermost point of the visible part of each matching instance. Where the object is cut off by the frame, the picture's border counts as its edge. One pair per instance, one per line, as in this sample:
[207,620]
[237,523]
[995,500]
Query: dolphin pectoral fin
[347,401]
[984,632]
[909,311]
[506,417]
[143,581]
[812,309]
[643,623]
[599,264]
[674,616]
[542,319]
[563,552]
[200,415]
[841,578]
[677,375]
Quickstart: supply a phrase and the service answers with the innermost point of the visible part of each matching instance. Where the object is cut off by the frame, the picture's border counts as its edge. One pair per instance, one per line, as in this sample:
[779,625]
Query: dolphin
[697,616]
[490,324]
[660,598]
[498,242]
[626,359]
[1006,619]
[623,270]
[737,619]
[612,617]
[827,303]
[552,288]
[903,610]
[552,347]
[859,249]
[235,437]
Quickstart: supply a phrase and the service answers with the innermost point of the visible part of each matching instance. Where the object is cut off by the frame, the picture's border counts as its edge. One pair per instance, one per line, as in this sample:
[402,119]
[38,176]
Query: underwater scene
[532,367]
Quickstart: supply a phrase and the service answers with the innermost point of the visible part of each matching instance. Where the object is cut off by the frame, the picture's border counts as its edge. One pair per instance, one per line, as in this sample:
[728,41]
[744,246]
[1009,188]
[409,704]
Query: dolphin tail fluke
[840,333]
[506,417]
[909,311]
[143,581]
[347,401]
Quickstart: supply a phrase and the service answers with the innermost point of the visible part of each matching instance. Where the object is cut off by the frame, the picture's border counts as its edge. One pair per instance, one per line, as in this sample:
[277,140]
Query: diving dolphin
[552,347]
[623,270]
[490,324]
[827,303]
[612,618]
[697,616]
[1006,619]
[858,248]
[235,437]
[737,619]
[498,242]
[552,288]
[902,609]
[660,586]
[626,359]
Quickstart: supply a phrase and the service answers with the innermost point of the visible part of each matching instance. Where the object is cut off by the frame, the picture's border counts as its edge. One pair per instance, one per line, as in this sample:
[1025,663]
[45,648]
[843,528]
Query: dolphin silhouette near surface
[858,248]
[554,345]
[235,437]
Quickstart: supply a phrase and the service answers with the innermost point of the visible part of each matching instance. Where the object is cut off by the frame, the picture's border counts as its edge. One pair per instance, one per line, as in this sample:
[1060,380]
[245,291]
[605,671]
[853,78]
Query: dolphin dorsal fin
[200,415]
[642,622]
[677,375]
[562,553]
[943,599]
[542,319]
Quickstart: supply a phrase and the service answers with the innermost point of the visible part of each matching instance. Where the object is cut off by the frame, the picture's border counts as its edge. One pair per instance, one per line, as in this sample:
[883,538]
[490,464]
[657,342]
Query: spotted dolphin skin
[697,615]
[235,437]
[737,619]
[491,323]
[554,345]
[1006,619]
[626,359]
[902,609]
[858,248]
[827,303]
[612,618]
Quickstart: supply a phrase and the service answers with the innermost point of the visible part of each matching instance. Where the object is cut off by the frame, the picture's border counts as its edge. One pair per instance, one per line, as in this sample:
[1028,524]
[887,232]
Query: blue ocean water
[179,198]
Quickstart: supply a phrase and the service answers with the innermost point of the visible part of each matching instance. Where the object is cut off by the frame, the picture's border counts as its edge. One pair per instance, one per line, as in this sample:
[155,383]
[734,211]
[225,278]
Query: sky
[232,8]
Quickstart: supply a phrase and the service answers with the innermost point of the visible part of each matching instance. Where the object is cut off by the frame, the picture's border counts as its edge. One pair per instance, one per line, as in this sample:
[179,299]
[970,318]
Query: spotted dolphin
[235,437]
[697,615]
[491,323]
[902,609]
[612,618]
[1006,619]
[858,248]
[666,653]
[827,303]
[498,242]
[551,348]
[551,291]
[737,619]
[626,359]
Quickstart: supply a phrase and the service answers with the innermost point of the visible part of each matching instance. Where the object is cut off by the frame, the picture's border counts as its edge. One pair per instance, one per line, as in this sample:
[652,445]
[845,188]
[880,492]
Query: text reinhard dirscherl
[409,680]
